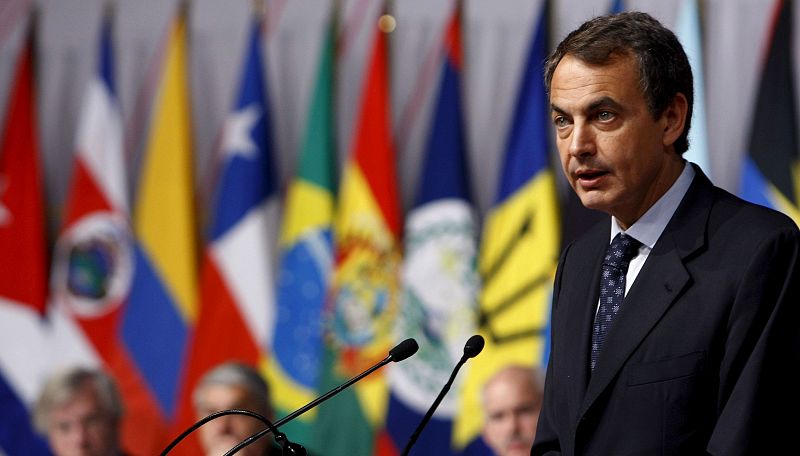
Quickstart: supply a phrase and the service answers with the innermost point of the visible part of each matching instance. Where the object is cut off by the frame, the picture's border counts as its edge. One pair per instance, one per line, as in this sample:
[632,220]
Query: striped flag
[440,282]
[23,261]
[689,34]
[163,301]
[364,291]
[520,244]
[236,294]
[93,267]
[306,259]
[771,172]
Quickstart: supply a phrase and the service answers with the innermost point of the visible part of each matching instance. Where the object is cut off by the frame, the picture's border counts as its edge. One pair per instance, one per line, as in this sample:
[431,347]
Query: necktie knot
[621,251]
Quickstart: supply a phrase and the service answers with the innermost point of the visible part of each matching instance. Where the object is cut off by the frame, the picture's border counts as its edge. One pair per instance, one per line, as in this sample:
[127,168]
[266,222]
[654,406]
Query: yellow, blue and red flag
[364,294]
[162,305]
[439,277]
[771,170]
[520,244]
[306,259]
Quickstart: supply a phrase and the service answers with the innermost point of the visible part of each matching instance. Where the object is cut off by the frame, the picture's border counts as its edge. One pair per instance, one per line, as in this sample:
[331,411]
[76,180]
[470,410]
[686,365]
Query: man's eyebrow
[557,109]
[603,102]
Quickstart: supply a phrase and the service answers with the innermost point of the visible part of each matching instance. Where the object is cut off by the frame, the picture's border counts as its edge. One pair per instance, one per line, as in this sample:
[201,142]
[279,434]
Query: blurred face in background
[511,402]
[220,435]
[82,426]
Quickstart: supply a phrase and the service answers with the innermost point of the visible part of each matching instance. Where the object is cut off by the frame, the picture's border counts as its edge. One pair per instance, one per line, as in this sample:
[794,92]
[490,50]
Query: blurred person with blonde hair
[80,411]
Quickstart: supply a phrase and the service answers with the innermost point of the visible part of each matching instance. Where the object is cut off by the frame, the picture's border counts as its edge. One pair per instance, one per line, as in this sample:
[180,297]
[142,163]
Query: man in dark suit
[676,324]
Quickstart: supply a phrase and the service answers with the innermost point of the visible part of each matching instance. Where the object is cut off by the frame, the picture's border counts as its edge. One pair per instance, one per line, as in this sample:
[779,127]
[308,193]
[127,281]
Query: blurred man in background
[233,386]
[79,411]
[511,399]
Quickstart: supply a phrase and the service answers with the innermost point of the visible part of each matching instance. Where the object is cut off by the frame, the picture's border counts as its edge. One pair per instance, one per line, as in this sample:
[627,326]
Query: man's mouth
[589,177]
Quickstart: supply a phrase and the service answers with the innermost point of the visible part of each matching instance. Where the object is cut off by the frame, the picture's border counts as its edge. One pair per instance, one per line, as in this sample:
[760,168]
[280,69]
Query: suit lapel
[660,281]
[579,318]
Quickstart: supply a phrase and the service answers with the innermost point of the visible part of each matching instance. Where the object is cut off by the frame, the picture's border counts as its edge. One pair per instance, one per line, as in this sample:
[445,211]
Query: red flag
[23,263]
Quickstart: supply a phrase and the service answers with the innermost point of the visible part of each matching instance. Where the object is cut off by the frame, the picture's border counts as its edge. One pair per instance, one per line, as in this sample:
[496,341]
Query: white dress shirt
[649,227]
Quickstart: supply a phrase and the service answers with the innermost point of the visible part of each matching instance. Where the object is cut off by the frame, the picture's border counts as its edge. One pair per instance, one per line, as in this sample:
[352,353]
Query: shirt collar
[649,227]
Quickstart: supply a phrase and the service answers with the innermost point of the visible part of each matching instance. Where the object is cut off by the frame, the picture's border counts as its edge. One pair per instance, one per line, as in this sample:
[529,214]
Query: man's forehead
[573,71]
[578,86]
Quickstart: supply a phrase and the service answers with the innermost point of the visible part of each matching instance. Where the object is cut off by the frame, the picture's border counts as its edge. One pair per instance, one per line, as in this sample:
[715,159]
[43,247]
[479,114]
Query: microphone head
[403,350]
[474,346]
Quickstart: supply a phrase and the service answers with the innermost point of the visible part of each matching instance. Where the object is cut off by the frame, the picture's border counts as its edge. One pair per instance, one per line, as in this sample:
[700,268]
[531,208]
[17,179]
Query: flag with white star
[236,293]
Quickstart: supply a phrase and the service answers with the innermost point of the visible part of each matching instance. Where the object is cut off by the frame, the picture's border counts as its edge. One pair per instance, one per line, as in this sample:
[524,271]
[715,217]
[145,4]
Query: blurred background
[288,184]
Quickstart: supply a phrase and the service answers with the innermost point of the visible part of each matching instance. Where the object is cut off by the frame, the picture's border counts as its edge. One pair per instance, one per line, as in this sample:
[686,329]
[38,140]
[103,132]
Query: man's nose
[582,140]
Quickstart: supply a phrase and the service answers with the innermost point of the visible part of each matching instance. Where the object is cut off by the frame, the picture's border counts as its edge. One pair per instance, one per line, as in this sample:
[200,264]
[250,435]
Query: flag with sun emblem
[363,299]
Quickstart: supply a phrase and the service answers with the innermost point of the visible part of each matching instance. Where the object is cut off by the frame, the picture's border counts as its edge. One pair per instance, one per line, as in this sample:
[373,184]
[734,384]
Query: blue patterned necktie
[612,287]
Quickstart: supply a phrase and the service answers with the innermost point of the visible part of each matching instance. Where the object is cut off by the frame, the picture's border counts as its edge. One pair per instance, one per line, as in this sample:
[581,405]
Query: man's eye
[560,121]
[605,116]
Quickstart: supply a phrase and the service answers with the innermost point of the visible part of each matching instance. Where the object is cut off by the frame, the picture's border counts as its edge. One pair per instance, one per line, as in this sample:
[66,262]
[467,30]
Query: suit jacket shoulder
[696,353]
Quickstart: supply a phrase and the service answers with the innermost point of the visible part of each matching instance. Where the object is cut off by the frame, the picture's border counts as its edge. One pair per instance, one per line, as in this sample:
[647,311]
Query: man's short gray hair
[63,386]
[235,374]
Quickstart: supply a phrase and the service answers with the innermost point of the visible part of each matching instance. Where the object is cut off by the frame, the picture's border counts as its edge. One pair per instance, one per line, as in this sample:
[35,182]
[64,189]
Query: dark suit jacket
[701,356]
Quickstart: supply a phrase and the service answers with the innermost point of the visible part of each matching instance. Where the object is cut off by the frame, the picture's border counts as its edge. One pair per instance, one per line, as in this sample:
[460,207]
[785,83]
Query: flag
[306,259]
[94,255]
[236,293]
[617,6]
[689,34]
[364,290]
[162,304]
[770,172]
[439,279]
[520,244]
[23,260]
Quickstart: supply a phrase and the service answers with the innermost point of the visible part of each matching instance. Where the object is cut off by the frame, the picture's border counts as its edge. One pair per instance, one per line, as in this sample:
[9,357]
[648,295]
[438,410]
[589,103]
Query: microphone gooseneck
[473,346]
[401,351]
[215,415]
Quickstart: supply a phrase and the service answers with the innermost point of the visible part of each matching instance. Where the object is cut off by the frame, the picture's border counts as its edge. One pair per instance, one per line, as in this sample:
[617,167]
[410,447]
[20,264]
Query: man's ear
[674,117]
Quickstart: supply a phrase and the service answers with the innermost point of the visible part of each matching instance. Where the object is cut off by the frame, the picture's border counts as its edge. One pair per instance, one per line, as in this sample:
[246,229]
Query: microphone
[400,352]
[473,346]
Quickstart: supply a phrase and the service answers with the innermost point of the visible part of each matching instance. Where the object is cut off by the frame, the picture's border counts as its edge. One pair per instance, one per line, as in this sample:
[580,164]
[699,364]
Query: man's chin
[222,445]
[518,449]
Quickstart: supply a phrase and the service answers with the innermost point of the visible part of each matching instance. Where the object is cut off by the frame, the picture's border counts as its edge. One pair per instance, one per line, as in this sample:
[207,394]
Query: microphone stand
[472,348]
[433,407]
[400,352]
